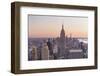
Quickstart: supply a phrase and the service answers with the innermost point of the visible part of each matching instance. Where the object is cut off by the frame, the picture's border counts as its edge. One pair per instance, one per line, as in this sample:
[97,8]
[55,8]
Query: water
[83,40]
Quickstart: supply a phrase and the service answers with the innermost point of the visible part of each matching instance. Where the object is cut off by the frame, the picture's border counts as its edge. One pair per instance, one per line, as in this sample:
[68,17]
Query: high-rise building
[62,33]
[62,43]
[34,53]
[45,52]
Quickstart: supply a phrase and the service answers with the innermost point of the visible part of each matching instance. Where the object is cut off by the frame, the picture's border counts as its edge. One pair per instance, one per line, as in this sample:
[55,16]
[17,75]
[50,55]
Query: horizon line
[56,37]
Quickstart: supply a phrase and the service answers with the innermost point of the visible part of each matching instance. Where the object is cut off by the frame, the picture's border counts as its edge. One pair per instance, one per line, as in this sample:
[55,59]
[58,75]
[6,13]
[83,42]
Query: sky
[50,26]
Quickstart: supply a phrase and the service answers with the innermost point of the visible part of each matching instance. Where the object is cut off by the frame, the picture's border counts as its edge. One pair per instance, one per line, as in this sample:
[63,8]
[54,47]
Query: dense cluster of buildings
[62,47]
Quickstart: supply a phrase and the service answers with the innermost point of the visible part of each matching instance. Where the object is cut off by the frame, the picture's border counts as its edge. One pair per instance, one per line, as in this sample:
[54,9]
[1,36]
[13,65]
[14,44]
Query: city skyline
[50,26]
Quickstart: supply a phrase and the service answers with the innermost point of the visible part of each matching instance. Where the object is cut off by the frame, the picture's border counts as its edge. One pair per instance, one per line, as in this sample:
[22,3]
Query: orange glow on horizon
[54,34]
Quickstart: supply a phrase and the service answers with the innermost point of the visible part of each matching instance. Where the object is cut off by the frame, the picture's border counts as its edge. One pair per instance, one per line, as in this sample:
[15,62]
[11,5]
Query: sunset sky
[50,26]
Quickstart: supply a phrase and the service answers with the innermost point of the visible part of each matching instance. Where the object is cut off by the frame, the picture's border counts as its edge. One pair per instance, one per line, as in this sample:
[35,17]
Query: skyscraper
[34,53]
[62,33]
[45,52]
[62,43]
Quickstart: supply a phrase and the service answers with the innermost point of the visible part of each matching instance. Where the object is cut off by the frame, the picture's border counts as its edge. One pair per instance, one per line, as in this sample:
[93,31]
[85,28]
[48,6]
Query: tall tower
[62,42]
[62,33]
[34,53]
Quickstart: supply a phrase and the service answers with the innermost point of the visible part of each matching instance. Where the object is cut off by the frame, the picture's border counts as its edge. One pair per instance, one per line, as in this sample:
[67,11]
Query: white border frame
[25,64]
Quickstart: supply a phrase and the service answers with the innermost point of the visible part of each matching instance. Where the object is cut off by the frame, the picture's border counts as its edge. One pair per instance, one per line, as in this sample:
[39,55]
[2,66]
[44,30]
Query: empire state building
[62,33]
[62,41]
